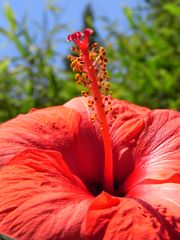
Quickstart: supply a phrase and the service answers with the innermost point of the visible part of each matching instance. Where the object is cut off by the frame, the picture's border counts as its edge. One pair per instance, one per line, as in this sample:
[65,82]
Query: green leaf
[15,39]
[4,64]
[52,7]
[129,13]
[130,16]
[4,31]
[22,49]
[173,9]
[10,16]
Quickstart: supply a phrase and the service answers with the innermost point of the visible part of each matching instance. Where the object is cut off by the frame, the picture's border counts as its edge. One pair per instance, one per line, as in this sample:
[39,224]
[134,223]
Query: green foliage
[32,79]
[145,62]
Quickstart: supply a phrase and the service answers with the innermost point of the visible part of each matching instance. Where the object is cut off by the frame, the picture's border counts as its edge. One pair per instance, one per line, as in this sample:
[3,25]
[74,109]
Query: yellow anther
[77,76]
[74,69]
[94,45]
[84,75]
[84,93]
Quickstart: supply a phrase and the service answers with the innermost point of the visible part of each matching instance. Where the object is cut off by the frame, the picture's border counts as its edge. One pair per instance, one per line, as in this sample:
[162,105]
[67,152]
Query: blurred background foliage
[143,63]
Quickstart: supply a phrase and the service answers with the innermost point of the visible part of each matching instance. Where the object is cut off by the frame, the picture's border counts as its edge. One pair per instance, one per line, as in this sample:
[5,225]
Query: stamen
[91,65]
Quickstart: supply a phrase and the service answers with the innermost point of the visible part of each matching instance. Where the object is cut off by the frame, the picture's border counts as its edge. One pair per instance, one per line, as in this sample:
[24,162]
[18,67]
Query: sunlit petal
[40,198]
[157,152]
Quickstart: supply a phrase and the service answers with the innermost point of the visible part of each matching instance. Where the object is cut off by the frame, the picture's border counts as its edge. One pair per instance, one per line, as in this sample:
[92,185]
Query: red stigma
[81,38]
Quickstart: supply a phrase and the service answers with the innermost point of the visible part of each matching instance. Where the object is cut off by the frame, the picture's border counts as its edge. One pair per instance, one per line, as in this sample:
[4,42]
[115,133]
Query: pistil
[91,66]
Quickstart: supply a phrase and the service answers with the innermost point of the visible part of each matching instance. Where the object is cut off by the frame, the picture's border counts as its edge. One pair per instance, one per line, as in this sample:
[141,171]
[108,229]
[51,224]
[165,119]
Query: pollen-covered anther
[102,84]
[95,45]
[90,103]
[84,75]
[75,49]
[104,66]
[92,55]
[77,76]
[102,51]
[74,69]
[93,117]
[84,93]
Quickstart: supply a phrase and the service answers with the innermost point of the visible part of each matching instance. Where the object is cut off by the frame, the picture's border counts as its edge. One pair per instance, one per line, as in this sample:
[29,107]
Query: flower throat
[90,64]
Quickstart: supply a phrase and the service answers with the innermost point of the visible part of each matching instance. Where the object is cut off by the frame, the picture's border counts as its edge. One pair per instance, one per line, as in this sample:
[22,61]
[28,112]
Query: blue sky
[71,13]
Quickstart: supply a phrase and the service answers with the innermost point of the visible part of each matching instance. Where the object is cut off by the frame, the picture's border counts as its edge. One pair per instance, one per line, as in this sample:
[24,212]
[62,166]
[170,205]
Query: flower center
[90,63]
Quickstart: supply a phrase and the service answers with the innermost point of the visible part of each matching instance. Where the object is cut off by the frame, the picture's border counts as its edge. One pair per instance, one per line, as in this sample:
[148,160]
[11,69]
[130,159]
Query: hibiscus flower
[95,168]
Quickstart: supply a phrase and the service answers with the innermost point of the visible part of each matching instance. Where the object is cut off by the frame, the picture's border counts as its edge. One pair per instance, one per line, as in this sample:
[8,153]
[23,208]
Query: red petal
[124,131]
[90,145]
[165,199]
[54,128]
[157,153]
[61,129]
[51,128]
[126,218]
[38,196]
